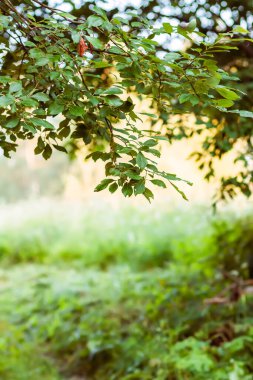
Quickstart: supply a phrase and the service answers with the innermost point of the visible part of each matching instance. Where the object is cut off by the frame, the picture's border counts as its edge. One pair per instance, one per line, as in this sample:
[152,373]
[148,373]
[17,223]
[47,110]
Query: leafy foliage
[144,316]
[227,132]
[89,73]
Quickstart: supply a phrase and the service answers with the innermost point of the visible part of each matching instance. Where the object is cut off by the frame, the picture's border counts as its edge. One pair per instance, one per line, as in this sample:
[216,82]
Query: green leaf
[15,87]
[75,35]
[184,98]
[179,191]
[55,108]
[148,194]
[30,128]
[76,110]
[60,148]
[139,188]
[150,143]
[6,100]
[114,101]
[226,93]
[5,79]
[192,25]
[224,103]
[12,123]
[240,29]
[4,20]
[141,161]
[113,187]
[42,61]
[246,113]
[41,96]
[127,190]
[158,182]
[113,91]
[172,56]
[67,15]
[47,152]
[132,175]
[36,53]
[94,21]
[41,123]
[243,113]
[102,64]
[99,11]
[103,184]
[95,42]
[29,102]
[167,27]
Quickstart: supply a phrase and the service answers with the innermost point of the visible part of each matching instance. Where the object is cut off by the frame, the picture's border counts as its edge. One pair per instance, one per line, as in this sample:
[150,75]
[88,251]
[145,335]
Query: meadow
[94,292]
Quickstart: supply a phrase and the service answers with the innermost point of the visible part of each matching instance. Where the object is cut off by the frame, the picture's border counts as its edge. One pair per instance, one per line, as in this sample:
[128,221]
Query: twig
[57,11]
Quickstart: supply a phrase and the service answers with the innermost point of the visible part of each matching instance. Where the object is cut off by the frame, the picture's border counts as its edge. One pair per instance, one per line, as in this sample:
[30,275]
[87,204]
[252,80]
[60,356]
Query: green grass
[88,294]
[102,237]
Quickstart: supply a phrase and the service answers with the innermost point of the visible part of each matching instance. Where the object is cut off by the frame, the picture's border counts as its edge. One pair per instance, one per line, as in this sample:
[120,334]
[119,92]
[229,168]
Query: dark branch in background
[55,10]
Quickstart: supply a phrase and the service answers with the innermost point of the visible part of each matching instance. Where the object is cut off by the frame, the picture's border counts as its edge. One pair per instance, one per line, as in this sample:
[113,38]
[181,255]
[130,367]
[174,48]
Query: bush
[233,238]
[123,296]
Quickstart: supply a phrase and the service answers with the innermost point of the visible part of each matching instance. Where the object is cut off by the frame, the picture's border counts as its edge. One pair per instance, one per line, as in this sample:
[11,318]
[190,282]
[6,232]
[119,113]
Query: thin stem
[55,10]
[112,143]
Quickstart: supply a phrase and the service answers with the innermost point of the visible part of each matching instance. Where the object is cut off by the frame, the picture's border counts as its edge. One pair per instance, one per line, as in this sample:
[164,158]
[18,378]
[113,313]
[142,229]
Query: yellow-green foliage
[129,303]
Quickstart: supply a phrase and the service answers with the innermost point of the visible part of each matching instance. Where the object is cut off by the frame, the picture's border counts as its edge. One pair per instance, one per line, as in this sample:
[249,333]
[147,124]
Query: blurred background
[96,286]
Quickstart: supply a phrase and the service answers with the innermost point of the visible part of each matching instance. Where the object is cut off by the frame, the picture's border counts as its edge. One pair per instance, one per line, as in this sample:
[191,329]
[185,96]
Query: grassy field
[97,293]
